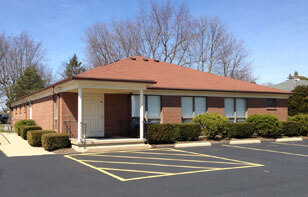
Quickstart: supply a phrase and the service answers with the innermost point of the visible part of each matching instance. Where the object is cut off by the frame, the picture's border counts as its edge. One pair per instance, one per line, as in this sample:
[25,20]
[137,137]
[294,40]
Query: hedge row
[25,129]
[54,141]
[169,133]
[35,137]
[50,140]
[21,123]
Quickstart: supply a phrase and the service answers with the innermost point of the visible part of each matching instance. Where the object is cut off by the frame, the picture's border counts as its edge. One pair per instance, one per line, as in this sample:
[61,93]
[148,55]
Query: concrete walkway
[13,145]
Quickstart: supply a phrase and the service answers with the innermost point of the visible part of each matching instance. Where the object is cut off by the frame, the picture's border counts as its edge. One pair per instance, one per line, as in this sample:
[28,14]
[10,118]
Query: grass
[2,129]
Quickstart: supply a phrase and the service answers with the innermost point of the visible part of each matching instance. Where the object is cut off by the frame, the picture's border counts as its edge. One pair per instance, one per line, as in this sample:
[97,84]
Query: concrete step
[108,142]
[106,148]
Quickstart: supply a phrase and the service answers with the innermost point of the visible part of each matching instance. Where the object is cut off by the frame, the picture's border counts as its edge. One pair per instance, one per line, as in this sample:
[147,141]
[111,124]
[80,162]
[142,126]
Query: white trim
[214,94]
[30,110]
[141,135]
[79,114]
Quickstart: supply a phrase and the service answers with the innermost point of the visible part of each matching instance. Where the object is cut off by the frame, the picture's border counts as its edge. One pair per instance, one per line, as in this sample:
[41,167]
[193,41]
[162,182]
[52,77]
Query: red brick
[117,114]
[171,109]
[215,105]
[68,113]
[258,106]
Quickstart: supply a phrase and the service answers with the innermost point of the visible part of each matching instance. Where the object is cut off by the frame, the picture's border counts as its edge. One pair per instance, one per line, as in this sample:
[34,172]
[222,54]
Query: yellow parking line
[167,159]
[267,150]
[151,153]
[290,144]
[141,171]
[95,168]
[223,158]
[199,169]
[190,172]
[150,164]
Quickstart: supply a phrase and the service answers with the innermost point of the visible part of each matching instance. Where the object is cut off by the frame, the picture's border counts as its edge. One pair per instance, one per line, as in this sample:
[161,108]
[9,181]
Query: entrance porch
[100,112]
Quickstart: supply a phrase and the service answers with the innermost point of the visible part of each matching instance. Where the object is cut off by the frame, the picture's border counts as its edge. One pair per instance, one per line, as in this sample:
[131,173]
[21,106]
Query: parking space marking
[189,169]
[267,150]
[147,164]
[303,145]
[164,159]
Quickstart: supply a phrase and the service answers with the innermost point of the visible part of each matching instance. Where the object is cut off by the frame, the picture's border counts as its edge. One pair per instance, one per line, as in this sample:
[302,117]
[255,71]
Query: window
[192,106]
[55,101]
[235,109]
[152,108]
[271,103]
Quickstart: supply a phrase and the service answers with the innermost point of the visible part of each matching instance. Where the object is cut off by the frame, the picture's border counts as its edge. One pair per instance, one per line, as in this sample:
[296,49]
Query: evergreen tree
[27,83]
[73,67]
[298,101]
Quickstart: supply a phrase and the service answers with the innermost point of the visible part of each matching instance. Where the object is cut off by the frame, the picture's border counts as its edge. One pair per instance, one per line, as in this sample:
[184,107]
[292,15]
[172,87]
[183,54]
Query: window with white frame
[192,106]
[152,108]
[235,109]
[55,112]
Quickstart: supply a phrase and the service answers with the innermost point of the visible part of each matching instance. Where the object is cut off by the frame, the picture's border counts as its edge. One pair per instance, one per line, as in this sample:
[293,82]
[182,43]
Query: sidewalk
[13,145]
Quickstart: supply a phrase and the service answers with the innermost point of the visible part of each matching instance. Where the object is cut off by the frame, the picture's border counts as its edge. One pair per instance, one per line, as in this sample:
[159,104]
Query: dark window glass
[270,102]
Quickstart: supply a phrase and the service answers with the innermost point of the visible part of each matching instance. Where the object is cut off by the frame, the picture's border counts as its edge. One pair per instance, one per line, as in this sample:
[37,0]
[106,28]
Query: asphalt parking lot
[267,169]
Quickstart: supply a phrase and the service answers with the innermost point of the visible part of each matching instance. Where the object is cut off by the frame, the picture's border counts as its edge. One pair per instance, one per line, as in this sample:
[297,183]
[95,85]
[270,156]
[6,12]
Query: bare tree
[16,54]
[169,33]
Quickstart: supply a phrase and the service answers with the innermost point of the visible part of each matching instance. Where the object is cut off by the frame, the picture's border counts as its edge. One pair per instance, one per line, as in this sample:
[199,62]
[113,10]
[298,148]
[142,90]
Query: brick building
[107,101]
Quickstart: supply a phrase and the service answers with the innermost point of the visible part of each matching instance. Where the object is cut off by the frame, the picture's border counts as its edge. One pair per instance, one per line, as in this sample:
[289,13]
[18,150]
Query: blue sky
[275,32]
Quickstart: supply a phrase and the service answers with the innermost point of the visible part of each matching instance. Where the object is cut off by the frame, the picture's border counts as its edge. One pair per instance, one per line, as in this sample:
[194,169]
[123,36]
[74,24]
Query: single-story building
[107,101]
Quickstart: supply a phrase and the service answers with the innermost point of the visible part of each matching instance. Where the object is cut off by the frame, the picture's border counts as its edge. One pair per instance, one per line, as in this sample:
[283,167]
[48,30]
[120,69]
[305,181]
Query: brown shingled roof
[171,76]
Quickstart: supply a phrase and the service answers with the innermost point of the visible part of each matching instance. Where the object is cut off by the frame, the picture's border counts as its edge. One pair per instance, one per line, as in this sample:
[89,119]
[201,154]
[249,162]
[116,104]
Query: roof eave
[195,89]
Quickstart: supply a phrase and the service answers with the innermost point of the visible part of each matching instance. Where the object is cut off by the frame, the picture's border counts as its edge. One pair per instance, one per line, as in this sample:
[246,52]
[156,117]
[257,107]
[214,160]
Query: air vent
[144,59]
[156,60]
[133,58]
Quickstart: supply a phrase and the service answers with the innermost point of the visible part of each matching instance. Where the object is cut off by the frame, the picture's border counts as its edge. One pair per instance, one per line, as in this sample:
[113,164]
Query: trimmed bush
[302,120]
[35,137]
[212,124]
[25,129]
[161,134]
[267,125]
[290,128]
[54,141]
[20,123]
[187,131]
[240,130]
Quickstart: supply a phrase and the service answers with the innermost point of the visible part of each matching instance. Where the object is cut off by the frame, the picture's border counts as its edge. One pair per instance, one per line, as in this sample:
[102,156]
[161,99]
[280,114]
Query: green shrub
[20,123]
[161,133]
[187,131]
[267,125]
[211,124]
[290,128]
[240,130]
[35,137]
[54,141]
[302,120]
[25,129]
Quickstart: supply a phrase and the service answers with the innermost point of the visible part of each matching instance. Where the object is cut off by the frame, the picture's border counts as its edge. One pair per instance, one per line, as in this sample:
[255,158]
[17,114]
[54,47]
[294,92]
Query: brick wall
[171,109]
[19,113]
[117,114]
[258,106]
[42,112]
[216,105]
[68,113]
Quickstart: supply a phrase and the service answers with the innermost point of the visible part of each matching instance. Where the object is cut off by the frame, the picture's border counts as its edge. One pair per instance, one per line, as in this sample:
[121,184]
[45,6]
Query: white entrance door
[93,114]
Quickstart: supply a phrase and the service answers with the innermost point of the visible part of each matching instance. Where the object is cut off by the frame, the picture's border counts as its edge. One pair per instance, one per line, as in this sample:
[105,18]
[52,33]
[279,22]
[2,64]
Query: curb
[245,142]
[111,148]
[289,139]
[193,144]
